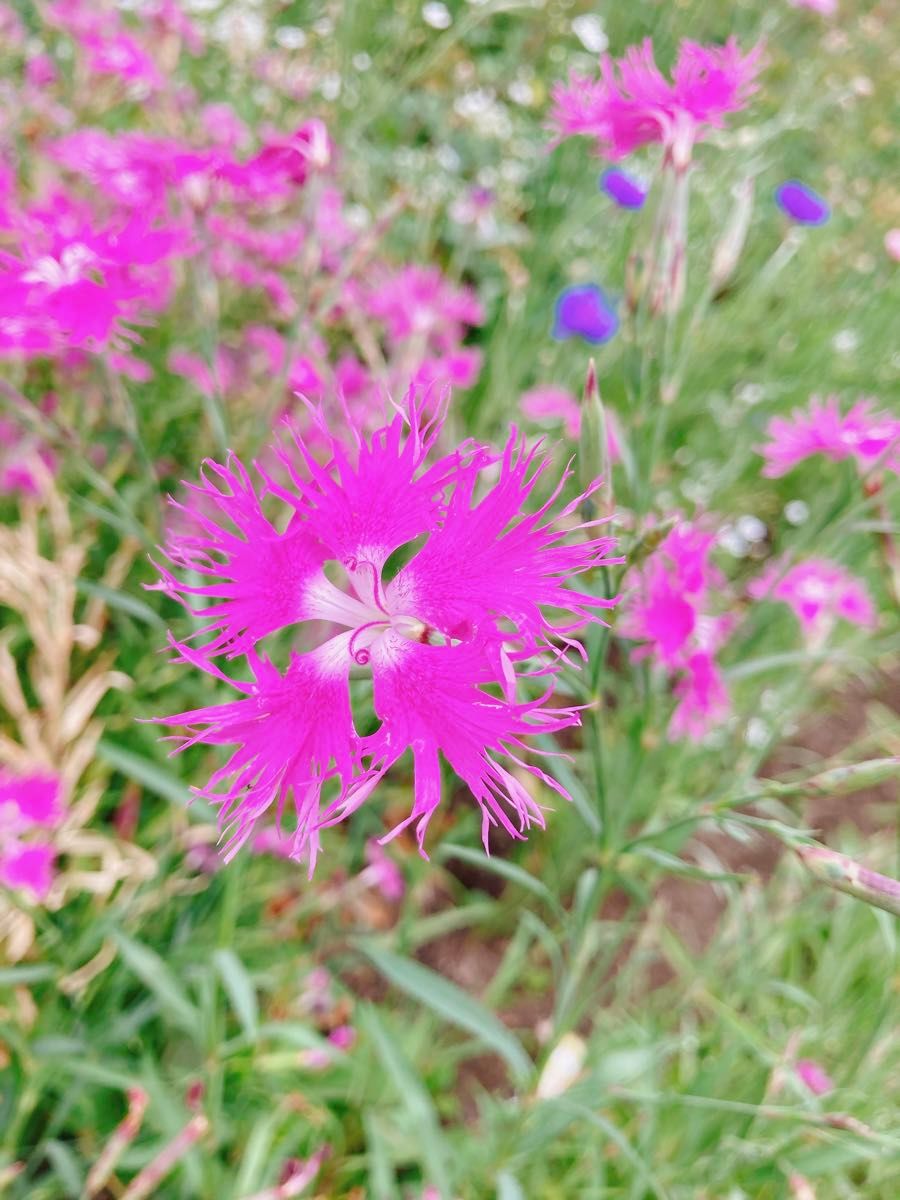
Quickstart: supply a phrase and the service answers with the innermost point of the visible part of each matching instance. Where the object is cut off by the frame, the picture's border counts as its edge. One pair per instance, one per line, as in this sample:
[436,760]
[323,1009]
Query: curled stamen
[378,598]
[362,655]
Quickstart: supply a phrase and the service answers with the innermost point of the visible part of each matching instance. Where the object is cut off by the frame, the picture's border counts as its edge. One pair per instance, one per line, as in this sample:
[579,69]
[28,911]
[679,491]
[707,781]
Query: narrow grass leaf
[453,1004]
[240,989]
[414,1098]
[155,778]
[502,867]
[158,979]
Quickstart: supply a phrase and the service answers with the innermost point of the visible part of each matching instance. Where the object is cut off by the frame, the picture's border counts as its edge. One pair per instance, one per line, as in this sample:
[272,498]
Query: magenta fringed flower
[870,438]
[484,599]
[819,592]
[632,103]
[668,609]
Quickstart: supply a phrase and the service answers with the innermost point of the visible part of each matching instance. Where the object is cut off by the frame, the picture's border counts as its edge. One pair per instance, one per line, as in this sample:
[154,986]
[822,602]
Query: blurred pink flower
[819,593]
[120,55]
[814,1077]
[892,243]
[471,603]
[21,458]
[40,71]
[861,434]
[632,103]
[667,608]
[702,696]
[548,404]
[828,8]
[343,1038]
[382,872]
[30,805]
[420,301]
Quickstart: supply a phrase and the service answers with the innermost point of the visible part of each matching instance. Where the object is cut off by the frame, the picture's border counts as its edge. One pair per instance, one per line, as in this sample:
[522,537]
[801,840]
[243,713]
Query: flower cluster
[443,642]
[668,608]
[30,808]
[109,229]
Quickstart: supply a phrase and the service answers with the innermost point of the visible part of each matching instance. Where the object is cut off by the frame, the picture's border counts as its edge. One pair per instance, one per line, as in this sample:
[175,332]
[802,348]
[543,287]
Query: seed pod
[846,875]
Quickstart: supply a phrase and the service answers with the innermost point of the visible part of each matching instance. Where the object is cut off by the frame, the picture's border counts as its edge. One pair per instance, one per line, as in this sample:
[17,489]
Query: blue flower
[802,204]
[623,189]
[584,311]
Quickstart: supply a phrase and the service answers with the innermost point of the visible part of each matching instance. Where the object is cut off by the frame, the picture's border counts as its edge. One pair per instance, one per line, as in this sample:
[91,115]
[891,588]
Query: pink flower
[472,603]
[702,698]
[382,872]
[892,243]
[419,301]
[827,8]
[549,403]
[343,1037]
[668,609]
[28,805]
[40,71]
[868,437]
[819,593]
[814,1077]
[21,458]
[119,54]
[632,103]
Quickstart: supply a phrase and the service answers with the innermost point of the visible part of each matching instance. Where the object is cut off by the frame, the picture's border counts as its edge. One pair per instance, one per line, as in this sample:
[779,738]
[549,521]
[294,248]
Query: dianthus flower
[30,806]
[440,641]
[868,437]
[819,593]
[667,609]
[632,103]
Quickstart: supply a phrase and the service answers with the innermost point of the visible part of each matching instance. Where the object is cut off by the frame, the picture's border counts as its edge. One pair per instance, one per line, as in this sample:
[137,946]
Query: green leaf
[616,1136]
[382,1180]
[423,1120]
[256,1154]
[685,870]
[454,1005]
[500,866]
[158,979]
[155,778]
[28,973]
[65,1167]
[123,601]
[240,989]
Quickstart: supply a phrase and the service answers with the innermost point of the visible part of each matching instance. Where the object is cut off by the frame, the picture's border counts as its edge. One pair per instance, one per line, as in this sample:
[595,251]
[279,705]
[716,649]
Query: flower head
[584,311]
[819,593]
[802,204]
[868,437]
[440,640]
[632,103]
[814,1076]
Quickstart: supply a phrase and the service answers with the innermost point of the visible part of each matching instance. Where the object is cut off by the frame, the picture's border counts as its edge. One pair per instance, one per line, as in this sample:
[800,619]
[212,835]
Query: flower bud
[729,247]
[846,875]
[593,447]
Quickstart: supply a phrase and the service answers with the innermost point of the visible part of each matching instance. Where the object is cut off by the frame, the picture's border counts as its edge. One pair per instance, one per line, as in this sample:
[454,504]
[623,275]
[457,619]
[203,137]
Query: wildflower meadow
[449,593]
